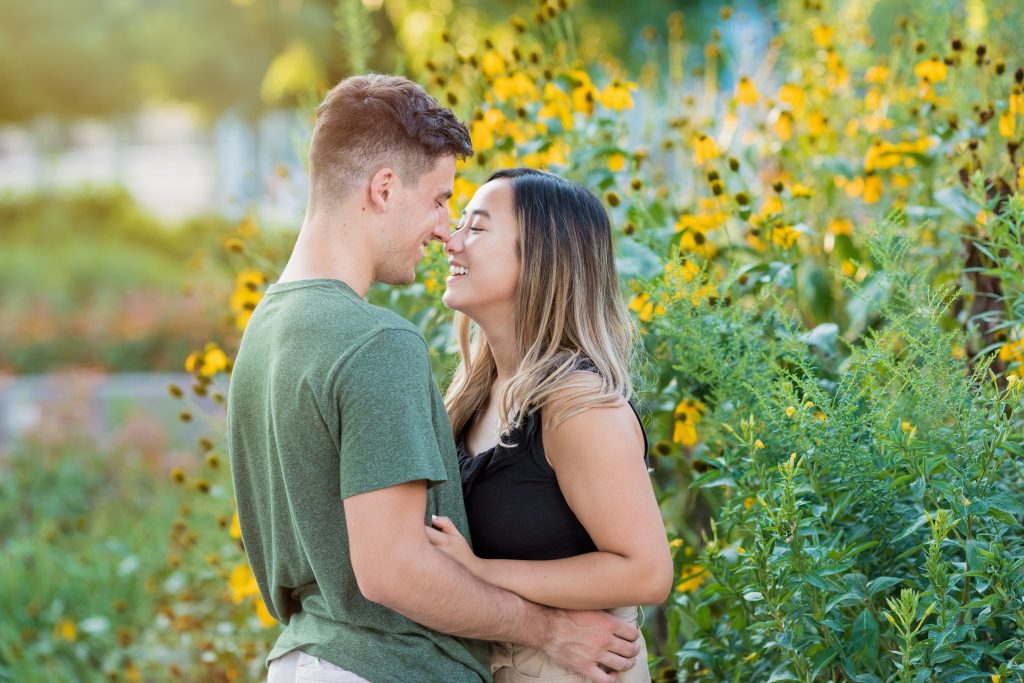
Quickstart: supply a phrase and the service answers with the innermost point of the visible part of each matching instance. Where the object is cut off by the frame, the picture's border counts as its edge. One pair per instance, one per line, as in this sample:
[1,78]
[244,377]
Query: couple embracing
[507,530]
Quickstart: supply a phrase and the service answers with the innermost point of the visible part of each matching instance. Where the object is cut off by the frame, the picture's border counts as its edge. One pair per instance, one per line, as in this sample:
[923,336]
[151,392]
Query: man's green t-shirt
[331,397]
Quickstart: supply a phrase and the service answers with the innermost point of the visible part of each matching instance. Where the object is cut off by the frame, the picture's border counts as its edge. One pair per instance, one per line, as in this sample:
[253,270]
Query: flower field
[819,230]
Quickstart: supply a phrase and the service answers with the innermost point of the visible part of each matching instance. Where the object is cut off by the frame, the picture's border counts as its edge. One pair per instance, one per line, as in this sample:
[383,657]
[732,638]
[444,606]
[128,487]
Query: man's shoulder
[325,307]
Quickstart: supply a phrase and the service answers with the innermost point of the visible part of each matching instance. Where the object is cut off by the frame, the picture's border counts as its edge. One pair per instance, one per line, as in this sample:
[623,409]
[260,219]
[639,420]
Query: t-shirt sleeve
[385,395]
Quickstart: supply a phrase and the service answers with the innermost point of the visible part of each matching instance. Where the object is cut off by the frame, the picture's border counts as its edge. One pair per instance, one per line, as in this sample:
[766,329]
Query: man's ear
[382,188]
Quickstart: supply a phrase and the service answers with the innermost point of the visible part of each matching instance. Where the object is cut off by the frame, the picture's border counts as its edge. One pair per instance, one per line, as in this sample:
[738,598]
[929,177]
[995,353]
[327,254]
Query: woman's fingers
[444,524]
[436,537]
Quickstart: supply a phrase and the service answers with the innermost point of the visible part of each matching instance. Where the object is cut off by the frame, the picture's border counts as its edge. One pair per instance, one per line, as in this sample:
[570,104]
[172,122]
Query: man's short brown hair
[368,122]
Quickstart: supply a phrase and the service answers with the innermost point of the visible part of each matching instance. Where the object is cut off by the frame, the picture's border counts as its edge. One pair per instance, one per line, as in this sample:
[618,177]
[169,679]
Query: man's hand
[595,644]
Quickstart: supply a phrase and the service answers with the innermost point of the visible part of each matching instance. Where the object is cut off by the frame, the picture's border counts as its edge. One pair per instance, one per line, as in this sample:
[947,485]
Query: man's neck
[329,247]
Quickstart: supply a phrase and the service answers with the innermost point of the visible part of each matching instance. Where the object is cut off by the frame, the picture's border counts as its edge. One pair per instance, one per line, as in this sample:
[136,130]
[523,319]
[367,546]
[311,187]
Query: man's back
[332,397]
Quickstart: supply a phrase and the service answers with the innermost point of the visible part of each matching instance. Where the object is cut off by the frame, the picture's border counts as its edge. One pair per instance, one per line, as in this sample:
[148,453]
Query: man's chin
[397,279]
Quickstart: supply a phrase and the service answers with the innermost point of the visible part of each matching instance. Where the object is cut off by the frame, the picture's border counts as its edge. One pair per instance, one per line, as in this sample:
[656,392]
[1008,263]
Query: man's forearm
[432,589]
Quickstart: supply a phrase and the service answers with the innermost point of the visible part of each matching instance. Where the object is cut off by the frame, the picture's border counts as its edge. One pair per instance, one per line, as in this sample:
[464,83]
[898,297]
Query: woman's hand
[446,537]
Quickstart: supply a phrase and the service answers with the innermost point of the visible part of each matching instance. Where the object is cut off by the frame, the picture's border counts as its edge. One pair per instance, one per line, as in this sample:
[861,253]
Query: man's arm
[396,565]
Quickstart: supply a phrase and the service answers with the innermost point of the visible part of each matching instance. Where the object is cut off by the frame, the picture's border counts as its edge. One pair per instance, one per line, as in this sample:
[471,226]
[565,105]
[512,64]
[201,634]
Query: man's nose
[441,231]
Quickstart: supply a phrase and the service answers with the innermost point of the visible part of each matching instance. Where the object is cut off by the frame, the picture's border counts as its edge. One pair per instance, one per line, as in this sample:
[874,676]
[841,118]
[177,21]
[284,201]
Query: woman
[553,455]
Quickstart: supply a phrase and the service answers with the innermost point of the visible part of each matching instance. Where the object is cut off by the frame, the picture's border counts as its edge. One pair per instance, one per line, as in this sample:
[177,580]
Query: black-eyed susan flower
[704,149]
[616,95]
[932,70]
[687,414]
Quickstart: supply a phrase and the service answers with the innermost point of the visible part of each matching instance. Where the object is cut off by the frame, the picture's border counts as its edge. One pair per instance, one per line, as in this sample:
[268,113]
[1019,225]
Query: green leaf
[865,638]
[636,260]
[882,583]
[921,521]
[1006,503]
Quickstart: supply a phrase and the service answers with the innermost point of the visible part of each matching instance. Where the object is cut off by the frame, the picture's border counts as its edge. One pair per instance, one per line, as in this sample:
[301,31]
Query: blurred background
[751,155]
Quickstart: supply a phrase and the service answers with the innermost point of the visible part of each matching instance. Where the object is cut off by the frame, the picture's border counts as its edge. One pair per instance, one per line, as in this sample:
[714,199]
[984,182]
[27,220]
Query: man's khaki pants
[298,667]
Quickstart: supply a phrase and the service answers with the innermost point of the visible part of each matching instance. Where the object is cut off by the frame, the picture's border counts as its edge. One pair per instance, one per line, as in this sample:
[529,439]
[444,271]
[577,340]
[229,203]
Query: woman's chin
[449,301]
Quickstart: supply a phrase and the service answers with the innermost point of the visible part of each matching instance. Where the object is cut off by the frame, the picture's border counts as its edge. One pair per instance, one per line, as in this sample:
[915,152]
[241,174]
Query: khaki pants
[298,667]
[511,663]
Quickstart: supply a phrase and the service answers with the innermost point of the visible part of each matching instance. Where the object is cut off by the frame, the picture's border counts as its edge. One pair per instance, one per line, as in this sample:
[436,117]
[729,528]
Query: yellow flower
[616,95]
[877,74]
[517,86]
[236,530]
[746,91]
[847,268]
[584,95]
[616,162]
[705,291]
[758,444]
[688,413]
[995,678]
[840,226]
[872,189]
[932,70]
[789,411]
[800,191]
[793,95]
[675,543]
[242,584]
[784,236]
[557,104]
[784,126]
[214,361]
[1006,125]
[823,35]
[692,577]
[704,149]
[748,502]
[492,64]
[817,124]
[645,308]
[482,136]
[65,629]
[1016,102]
[872,99]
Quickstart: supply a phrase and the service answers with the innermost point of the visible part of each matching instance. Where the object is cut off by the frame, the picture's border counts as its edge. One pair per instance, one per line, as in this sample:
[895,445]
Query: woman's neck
[501,341]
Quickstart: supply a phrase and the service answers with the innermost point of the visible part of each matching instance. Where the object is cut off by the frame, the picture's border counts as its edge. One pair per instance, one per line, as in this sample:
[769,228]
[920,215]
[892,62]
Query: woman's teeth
[459,270]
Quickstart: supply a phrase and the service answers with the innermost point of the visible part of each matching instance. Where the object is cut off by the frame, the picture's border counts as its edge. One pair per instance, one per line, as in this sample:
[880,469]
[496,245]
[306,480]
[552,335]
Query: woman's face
[483,255]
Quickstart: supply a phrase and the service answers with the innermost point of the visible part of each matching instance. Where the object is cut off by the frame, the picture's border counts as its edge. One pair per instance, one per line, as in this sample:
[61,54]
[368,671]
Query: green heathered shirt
[331,397]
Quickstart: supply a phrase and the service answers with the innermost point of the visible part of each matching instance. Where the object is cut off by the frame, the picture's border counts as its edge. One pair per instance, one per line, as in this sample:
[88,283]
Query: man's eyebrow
[444,194]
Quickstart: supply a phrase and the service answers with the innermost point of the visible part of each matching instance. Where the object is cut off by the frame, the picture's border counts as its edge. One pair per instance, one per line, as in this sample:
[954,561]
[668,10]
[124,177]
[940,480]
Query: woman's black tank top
[516,509]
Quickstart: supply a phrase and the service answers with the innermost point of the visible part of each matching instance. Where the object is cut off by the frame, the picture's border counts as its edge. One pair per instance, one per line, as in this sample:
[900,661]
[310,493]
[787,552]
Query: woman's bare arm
[598,459]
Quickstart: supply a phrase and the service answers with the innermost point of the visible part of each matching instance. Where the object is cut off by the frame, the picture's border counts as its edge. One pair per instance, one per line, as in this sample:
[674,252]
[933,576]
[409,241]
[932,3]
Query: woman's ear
[382,188]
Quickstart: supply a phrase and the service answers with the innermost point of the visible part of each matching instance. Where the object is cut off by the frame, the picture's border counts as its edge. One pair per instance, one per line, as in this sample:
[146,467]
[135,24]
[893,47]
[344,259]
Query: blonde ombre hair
[568,311]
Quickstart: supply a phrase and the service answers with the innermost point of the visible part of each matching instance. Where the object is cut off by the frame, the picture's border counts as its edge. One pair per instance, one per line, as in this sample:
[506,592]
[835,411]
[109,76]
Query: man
[340,445]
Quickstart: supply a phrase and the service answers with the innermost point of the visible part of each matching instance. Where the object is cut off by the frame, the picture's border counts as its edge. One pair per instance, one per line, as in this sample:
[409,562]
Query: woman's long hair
[568,310]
